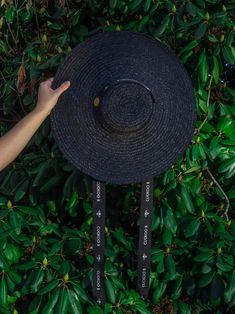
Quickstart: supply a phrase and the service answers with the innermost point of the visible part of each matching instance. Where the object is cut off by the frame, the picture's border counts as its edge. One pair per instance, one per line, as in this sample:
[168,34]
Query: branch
[222,191]
[207,107]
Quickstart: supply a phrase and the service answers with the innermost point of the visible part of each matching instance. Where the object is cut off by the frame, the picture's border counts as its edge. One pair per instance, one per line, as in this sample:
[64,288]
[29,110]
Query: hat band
[144,249]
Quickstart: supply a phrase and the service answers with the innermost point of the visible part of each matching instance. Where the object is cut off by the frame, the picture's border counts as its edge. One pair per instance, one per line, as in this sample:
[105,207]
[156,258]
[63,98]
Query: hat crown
[125,106]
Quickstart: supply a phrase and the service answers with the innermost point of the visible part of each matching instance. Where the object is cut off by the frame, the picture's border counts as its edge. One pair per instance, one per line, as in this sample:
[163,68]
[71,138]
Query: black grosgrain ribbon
[144,250]
[99,203]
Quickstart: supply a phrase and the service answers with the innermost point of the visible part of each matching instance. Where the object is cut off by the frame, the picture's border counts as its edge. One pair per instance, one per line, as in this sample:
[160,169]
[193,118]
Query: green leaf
[3,291]
[73,200]
[206,279]
[216,70]
[170,266]
[112,4]
[192,9]
[224,123]
[50,286]
[62,305]
[170,221]
[162,27]
[184,307]
[166,237]
[141,309]
[177,288]
[229,294]
[10,14]
[192,228]
[187,199]
[14,276]
[15,221]
[39,276]
[110,291]
[155,222]
[27,265]
[51,302]
[227,166]
[154,8]
[147,5]
[135,4]
[35,305]
[203,67]
[203,257]
[214,148]
[21,191]
[158,292]
[12,253]
[51,183]
[43,172]
[200,31]
[228,55]
[27,210]
[205,269]
[5,234]
[157,255]
[95,310]
[217,288]
[222,265]
[189,46]
[74,303]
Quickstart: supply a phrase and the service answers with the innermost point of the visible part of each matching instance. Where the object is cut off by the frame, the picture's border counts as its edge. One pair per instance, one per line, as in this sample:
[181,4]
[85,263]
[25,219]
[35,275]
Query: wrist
[41,112]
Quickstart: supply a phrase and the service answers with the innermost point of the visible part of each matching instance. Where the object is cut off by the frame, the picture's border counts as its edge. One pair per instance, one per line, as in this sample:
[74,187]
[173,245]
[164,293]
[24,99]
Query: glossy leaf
[187,199]
[62,304]
[53,300]
[74,303]
[3,291]
[110,290]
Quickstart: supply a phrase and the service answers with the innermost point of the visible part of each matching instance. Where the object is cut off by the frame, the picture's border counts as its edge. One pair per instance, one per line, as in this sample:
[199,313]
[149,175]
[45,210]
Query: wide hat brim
[129,112]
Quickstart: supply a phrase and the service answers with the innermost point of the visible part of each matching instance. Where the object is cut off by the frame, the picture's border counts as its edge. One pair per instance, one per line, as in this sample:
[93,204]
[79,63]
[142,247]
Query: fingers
[48,81]
[63,87]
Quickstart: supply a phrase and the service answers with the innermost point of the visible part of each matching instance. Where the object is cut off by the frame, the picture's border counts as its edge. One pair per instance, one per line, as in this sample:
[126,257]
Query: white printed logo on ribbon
[98,191]
[145,241]
[146,213]
[98,236]
[98,213]
[147,192]
[144,275]
[98,280]
[144,256]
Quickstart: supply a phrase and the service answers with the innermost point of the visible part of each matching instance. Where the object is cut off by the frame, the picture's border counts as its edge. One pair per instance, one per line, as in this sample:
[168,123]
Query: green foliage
[45,203]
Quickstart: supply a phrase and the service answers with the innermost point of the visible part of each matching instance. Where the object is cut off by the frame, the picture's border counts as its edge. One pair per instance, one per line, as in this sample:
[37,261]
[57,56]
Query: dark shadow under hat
[128,115]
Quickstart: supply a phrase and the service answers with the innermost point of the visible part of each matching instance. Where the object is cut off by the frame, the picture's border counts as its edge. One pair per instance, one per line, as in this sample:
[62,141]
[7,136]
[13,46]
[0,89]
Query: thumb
[63,87]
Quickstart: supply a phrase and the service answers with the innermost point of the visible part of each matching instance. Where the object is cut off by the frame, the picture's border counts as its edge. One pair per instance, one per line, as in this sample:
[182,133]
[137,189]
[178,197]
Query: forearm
[14,141]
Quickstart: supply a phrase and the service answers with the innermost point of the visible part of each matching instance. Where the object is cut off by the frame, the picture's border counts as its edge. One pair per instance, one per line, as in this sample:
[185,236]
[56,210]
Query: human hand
[47,97]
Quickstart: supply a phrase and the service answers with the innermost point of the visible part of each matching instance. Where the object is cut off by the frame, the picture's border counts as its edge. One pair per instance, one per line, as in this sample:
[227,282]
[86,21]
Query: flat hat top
[129,112]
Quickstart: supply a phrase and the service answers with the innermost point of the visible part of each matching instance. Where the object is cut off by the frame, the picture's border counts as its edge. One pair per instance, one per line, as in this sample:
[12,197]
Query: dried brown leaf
[21,79]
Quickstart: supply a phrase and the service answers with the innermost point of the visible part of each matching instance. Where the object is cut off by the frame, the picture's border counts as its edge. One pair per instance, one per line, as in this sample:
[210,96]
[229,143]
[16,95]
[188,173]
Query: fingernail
[67,82]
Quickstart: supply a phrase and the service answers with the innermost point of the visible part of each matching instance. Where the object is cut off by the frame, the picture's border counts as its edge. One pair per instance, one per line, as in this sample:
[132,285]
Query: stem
[36,20]
[13,37]
[207,108]
[222,191]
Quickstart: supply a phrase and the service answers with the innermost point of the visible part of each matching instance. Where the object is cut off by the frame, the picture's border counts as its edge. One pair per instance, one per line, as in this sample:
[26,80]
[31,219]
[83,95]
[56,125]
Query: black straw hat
[128,115]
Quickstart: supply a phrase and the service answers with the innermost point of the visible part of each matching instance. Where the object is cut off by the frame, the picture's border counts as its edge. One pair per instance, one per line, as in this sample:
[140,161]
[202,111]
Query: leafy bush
[46,215]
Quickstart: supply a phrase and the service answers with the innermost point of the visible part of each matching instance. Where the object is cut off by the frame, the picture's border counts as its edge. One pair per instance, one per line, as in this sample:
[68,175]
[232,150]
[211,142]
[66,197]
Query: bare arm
[14,141]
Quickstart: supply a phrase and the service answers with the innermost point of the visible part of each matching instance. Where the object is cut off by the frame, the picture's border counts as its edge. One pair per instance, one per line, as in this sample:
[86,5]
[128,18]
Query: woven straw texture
[144,114]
